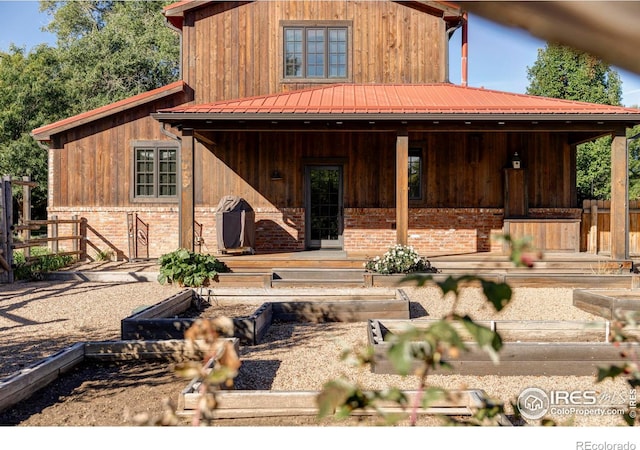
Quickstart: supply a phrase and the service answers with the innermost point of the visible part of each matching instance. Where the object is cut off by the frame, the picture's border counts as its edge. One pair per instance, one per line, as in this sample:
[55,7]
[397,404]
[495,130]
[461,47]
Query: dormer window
[317,51]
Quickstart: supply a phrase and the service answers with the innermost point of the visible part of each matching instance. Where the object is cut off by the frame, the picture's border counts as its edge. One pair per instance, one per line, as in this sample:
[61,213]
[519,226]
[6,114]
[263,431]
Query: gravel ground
[39,318]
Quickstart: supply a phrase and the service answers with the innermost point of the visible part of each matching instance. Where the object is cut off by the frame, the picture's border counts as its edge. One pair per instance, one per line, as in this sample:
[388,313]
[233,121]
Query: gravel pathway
[39,318]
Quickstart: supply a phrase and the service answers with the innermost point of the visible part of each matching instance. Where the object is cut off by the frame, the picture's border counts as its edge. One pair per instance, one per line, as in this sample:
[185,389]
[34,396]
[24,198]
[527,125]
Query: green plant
[44,261]
[187,268]
[399,259]
[104,255]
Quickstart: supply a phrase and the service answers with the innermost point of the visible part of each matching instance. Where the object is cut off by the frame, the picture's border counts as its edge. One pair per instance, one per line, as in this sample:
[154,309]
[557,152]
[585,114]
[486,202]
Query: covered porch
[458,142]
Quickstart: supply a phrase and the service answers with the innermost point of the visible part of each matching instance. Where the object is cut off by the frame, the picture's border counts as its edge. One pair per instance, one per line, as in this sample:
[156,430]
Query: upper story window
[155,171]
[316,51]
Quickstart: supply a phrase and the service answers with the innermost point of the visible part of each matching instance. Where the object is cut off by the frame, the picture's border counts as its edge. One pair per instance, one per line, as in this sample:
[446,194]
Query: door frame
[338,243]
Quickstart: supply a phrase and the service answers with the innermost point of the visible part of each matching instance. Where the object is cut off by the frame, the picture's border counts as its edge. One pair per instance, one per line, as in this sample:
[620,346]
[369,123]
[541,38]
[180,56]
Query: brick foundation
[367,230]
[431,230]
[106,228]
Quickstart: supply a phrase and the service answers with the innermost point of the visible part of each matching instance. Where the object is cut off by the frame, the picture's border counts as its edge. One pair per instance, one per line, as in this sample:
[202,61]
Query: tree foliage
[113,49]
[32,93]
[561,72]
[106,51]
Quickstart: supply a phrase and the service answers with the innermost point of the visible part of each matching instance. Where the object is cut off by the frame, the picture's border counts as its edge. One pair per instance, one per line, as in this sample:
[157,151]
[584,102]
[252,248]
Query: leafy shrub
[187,268]
[399,259]
[45,262]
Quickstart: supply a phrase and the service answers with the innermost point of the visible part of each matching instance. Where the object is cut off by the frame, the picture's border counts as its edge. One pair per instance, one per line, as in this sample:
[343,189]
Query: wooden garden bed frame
[24,383]
[608,303]
[532,348]
[286,305]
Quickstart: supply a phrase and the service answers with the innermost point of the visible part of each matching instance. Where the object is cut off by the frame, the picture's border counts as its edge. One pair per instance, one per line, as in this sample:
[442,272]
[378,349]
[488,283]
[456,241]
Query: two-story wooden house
[337,123]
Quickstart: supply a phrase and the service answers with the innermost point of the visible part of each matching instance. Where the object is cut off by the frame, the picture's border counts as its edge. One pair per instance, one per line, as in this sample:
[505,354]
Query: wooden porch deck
[335,259]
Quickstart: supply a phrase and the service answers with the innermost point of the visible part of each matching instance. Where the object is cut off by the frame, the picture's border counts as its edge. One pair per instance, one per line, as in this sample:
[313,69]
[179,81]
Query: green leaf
[401,355]
[333,395]
[487,339]
[499,294]
[431,395]
[610,372]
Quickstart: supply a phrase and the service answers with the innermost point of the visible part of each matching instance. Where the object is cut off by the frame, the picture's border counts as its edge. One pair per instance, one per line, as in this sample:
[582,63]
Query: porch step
[283,277]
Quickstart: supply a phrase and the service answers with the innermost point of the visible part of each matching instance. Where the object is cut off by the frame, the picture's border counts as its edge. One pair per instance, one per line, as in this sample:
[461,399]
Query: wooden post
[83,239]
[54,234]
[26,212]
[186,205]
[75,230]
[619,197]
[402,187]
[593,231]
[8,220]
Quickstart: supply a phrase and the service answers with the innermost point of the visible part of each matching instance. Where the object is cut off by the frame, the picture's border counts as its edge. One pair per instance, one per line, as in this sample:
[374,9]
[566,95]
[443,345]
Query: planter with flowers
[394,265]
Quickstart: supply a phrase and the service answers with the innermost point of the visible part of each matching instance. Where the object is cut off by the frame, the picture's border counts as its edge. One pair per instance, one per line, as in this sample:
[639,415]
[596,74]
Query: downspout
[168,133]
[460,24]
[465,50]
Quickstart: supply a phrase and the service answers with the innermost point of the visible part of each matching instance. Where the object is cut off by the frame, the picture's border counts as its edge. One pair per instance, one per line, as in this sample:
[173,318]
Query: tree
[31,93]
[561,72]
[111,50]
[106,51]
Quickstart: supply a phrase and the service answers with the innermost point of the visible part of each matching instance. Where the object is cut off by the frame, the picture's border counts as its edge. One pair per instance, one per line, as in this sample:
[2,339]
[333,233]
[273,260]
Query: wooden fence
[19,236]
[595,232]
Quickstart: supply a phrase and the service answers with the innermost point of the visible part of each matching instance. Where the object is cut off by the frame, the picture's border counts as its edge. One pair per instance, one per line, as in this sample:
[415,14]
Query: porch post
[187,192]
[619,197]
[402,187]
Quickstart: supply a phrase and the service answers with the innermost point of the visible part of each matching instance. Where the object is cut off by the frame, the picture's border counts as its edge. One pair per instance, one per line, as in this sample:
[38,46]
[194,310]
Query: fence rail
[595,235]
[74,230]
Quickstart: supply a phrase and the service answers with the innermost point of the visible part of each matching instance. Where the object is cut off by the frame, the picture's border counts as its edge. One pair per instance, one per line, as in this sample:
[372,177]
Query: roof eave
[45,133]
[176,117]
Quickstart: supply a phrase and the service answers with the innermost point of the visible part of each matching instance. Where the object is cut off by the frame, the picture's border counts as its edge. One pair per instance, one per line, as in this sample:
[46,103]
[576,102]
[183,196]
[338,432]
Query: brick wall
[431,230]
[107,230]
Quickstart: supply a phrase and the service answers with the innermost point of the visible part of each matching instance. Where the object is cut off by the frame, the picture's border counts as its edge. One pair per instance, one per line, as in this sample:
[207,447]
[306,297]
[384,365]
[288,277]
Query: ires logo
[534,403]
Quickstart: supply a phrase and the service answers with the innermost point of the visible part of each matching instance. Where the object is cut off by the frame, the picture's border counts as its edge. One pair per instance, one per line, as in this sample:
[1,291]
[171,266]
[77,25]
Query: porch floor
[560,263]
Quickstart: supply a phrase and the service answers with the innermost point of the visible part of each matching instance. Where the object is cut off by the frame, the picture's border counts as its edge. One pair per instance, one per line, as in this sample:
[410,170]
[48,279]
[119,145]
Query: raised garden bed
[259,404]
[539,348]
[26,382]
[607,303]
[163,321]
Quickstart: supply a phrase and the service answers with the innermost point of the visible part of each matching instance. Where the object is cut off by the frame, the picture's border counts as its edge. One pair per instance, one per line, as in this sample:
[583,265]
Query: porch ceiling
[386,108]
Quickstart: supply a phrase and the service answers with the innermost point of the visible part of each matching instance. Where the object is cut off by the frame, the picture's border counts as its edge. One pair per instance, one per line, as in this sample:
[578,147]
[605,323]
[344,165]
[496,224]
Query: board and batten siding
[461,170]
[233,51]
[92,165]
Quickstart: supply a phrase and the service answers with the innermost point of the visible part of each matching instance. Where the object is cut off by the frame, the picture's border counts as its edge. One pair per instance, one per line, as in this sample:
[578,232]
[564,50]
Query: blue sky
[498,56]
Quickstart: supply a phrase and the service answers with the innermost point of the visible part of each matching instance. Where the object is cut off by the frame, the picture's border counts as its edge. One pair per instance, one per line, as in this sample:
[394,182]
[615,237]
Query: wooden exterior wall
[232,51]
[92,165]
[460,169]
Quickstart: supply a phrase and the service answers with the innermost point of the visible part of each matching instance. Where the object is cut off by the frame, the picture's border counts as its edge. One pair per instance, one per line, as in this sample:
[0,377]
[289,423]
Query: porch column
[402,187]
[186,202]
[619,197]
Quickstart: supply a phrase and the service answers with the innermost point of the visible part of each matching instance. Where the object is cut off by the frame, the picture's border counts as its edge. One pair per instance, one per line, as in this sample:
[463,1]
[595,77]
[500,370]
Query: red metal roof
[400,99]
[44,133]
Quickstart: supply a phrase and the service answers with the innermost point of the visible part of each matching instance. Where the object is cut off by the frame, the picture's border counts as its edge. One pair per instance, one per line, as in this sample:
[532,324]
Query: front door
[324,222]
